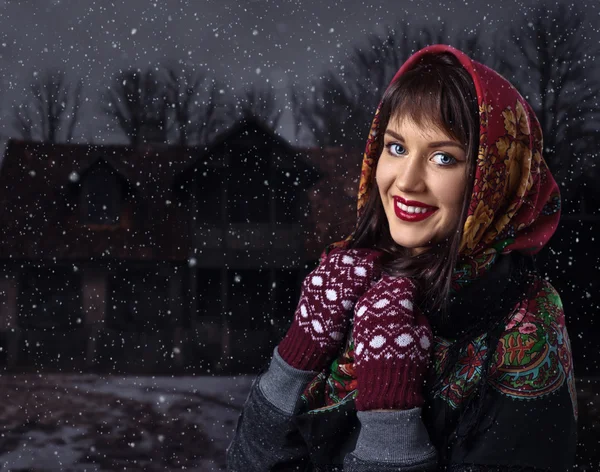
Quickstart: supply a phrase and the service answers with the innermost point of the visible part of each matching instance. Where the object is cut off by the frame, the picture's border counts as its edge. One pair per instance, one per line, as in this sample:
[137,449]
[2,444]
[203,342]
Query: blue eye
[398,147]
[451,159]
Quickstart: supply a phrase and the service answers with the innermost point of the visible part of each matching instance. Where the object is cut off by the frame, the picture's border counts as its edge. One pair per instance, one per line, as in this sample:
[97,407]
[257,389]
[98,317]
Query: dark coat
[529,411]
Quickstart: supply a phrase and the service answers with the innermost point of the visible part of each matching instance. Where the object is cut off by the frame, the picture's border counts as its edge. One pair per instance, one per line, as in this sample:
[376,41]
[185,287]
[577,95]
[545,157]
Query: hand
[392,346]
[327,299]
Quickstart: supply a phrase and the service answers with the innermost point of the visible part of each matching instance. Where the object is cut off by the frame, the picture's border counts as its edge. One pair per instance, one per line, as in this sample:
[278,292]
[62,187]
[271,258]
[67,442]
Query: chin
[411,245]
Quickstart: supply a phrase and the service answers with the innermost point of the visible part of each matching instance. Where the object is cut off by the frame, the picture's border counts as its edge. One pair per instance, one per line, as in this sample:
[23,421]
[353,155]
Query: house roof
[288,156]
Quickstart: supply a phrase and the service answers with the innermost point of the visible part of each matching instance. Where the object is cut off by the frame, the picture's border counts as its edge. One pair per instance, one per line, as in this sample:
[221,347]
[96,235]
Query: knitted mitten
[323,315]
[392,342]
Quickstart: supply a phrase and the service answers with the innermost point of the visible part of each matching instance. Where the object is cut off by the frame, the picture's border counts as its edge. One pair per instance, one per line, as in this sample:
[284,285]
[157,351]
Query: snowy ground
[95,423]
[108,423]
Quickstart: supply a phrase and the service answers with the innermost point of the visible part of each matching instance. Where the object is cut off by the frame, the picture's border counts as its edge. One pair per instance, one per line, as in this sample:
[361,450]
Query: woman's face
[421,175]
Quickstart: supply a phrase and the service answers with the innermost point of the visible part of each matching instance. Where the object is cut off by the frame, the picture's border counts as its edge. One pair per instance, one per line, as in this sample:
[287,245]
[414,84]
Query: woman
[427,340]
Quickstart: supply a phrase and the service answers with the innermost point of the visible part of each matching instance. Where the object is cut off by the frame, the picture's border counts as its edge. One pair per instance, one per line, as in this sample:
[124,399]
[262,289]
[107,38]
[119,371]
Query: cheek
[382,176]
[379,181]
[453,193]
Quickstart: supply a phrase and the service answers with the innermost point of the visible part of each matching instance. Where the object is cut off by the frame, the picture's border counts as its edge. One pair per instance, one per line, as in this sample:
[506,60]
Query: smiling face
[422,177]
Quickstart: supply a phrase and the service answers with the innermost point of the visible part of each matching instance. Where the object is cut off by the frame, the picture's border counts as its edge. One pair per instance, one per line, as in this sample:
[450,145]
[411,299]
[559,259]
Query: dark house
[151,259]
[249,224]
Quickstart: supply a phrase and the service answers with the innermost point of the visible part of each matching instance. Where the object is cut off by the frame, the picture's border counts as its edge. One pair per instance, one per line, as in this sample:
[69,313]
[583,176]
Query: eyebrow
[431,145]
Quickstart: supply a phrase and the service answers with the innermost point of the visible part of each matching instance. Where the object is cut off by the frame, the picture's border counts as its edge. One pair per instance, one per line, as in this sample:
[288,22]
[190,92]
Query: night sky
[238,42]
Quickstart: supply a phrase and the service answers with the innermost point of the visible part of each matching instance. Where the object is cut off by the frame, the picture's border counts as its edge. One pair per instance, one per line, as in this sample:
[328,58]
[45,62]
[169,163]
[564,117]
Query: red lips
[412,217]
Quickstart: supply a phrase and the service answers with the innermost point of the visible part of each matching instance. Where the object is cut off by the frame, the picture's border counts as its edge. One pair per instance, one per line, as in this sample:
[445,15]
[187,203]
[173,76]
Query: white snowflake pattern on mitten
[329,289]
[385,327]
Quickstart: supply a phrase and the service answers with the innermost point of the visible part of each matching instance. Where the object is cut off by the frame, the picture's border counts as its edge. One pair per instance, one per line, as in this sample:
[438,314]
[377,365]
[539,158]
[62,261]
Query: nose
[410,175]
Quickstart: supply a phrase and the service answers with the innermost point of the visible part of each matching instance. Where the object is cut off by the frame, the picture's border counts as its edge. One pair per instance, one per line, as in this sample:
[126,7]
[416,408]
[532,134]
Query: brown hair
[438,92]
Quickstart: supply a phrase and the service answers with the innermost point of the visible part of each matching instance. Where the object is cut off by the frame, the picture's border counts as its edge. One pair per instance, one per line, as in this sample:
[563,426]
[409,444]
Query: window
[209,292]
[209,191]
[138,301]
[286,201]
[285,300]
[287,293]
[248,191]
[102,193]
[50,299]
[248,299]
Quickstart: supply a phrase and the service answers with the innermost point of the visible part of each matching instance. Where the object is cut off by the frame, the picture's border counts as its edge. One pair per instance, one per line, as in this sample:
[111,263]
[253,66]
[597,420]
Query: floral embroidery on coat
[533,357]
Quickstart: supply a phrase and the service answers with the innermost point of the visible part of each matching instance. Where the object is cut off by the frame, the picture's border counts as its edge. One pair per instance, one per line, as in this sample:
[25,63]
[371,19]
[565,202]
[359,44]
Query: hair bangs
[431,95]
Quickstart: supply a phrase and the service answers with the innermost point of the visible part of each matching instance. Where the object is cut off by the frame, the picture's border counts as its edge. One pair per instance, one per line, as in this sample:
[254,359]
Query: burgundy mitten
[323,315]
[392,341]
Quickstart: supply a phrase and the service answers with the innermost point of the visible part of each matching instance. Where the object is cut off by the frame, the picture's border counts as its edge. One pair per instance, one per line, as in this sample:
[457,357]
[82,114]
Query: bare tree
[196,110]
[552,63]
[52,111]
[261,102]
[138,102]
[336,110]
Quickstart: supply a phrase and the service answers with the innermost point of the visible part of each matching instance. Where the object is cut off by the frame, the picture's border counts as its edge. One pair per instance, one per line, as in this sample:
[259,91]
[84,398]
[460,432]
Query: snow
[93,422]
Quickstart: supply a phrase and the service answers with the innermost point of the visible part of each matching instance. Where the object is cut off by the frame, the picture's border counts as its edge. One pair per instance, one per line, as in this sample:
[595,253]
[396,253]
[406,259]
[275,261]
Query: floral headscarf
[515,203]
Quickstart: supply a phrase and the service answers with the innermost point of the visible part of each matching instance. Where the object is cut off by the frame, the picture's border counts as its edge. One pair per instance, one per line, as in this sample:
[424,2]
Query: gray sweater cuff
[395,436]
[283,384]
